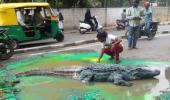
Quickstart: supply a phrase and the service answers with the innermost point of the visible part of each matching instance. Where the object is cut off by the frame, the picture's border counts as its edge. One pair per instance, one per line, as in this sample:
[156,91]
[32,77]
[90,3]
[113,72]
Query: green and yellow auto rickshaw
[19,33]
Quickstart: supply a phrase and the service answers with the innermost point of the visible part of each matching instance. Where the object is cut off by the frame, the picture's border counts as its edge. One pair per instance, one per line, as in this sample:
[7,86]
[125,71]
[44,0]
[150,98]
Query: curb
[165,32]
[164,23]
[56,46]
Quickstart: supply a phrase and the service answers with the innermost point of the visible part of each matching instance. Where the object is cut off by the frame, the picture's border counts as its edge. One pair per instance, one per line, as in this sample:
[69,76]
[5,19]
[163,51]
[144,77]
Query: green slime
[72,92]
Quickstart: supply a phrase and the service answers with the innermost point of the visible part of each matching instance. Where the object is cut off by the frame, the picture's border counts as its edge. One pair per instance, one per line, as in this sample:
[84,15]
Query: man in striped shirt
[134,14]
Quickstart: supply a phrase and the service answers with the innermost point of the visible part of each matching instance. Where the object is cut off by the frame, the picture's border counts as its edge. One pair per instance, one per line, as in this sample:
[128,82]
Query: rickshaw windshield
[48,11]
[29,15]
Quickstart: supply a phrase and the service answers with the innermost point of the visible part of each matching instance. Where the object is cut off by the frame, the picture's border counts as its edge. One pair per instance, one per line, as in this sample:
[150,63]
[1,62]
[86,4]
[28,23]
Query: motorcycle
[121,25]
[143,32]
[6,48]
[85,27]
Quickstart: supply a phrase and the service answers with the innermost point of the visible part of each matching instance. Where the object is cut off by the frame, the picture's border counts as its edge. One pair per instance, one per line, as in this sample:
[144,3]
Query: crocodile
[116,74]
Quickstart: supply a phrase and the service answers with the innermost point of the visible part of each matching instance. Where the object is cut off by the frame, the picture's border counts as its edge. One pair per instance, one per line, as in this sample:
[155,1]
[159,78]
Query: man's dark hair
[136,1]
[102,35]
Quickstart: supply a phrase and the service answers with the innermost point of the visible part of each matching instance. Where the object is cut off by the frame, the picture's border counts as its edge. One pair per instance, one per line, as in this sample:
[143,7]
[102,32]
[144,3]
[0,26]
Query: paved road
[163,28]
[158,50]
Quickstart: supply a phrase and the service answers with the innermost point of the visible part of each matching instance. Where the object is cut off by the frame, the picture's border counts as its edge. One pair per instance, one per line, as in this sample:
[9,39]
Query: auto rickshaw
[20,34]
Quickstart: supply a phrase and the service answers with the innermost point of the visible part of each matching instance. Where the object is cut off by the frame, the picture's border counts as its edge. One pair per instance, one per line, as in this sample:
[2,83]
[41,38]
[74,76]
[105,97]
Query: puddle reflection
[62,89]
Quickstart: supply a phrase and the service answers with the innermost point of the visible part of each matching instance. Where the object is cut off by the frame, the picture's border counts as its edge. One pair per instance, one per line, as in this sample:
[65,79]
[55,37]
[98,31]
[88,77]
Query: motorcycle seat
[155,23]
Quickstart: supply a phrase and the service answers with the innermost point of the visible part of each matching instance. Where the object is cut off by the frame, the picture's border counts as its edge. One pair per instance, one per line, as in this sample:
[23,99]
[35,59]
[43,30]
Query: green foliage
[77,3]
[162,2]
[86,3]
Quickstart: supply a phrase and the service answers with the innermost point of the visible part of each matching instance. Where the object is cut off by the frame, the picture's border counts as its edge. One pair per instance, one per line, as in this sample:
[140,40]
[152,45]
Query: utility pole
[105,6]
[168,3]
[57,4]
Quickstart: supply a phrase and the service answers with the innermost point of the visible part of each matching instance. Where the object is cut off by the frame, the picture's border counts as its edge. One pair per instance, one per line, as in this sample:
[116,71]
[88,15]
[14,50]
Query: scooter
[85,27]
[6,48]
[143,32]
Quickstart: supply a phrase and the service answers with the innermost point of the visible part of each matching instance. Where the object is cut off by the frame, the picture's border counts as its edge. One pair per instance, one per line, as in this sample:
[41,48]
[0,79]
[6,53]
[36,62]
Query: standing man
[148,18]
[134,14]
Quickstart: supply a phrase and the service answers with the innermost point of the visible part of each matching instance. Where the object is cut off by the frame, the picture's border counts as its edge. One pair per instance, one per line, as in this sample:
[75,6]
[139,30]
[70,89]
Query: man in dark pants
[134,14]
[148,18]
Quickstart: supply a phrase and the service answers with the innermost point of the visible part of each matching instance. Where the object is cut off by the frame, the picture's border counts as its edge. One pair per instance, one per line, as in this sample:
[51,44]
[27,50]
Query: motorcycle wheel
[60,38]
[81,32]
[152,35]
[6,50]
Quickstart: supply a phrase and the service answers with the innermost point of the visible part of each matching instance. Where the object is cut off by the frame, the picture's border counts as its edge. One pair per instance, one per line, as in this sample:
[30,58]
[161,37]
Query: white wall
[105,16]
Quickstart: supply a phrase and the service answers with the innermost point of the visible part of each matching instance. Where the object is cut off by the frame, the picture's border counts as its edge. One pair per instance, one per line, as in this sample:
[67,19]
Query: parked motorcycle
[143,32]
[85,27]
[6,48]
[121,25]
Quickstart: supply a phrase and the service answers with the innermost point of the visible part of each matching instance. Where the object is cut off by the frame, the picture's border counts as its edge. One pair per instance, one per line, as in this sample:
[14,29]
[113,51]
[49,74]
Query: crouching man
[111,46]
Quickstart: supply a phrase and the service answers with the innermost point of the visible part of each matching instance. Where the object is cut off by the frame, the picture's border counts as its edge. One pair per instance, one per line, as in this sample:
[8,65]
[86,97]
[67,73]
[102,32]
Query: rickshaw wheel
[60,38]
[15,44]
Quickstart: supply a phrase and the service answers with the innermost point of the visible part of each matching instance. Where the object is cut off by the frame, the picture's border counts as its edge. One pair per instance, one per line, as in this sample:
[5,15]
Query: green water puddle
[50,88]
[58,88]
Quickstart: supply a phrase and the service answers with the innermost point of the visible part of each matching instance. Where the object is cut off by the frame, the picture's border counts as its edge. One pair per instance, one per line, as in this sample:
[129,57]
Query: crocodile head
[142,73]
